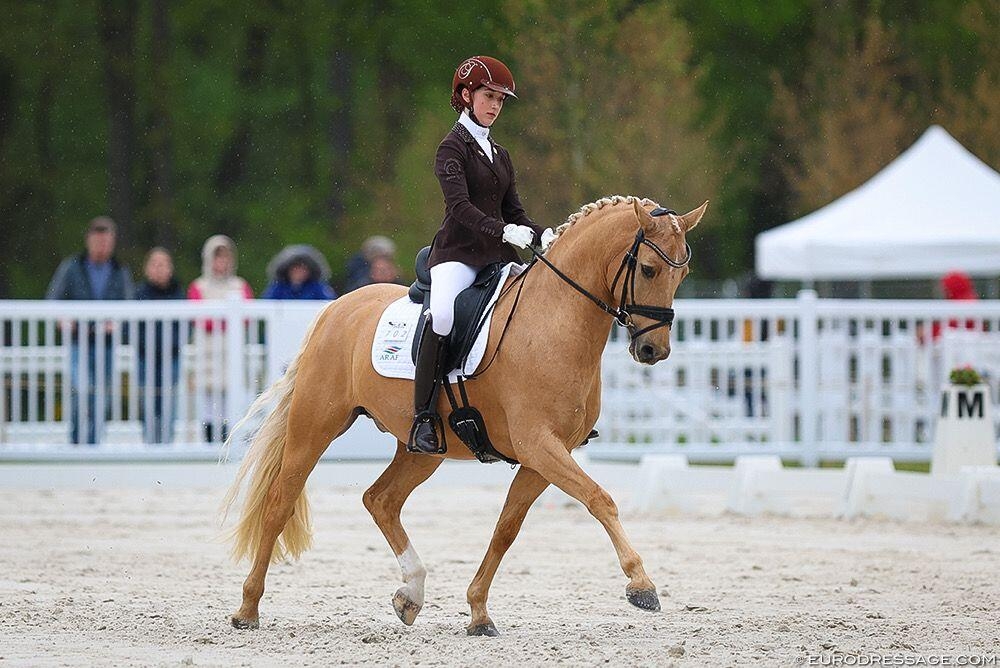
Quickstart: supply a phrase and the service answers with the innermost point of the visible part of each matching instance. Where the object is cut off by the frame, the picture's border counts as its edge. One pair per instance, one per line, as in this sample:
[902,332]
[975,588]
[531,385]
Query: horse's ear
[646,221]
[692,218]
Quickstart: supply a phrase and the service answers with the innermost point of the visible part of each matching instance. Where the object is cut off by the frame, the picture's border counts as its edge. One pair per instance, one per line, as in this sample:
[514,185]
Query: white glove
[518,235]
[548,236]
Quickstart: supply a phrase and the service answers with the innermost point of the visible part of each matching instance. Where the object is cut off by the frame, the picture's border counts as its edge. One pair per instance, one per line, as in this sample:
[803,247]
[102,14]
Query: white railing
[128,377]
[804,378]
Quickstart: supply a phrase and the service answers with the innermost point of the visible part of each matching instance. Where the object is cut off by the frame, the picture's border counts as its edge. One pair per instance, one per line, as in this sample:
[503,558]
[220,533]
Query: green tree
[737,46]
[972,113]
[317,121]
[849,118]
[609,106]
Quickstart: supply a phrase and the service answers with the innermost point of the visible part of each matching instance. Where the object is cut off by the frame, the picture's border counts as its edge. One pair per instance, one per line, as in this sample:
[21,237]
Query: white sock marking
[413,573]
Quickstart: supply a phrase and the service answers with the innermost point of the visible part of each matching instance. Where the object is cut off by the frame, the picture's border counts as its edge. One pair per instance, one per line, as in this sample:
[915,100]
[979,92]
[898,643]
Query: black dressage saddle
[470,308]
[470,314]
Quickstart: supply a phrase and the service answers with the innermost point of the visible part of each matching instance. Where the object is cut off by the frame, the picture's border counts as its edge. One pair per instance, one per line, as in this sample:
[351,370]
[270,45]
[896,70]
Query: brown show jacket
[480,198]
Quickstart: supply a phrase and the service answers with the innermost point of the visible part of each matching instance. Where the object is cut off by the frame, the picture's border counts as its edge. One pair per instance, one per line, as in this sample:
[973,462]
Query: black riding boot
[427,433]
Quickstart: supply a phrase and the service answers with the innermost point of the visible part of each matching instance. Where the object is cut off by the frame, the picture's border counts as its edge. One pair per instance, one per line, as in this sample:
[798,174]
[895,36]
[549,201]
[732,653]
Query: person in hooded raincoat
[218,280]
[299,272]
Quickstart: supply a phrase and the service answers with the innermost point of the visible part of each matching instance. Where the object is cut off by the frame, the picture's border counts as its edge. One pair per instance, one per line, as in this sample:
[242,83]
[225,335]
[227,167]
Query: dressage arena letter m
[973,408]
[970,404]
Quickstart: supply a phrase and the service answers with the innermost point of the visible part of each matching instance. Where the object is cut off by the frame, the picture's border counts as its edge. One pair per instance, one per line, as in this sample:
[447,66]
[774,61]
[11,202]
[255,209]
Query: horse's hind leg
[306,440]
[555,463]
[384,500]
[524,489]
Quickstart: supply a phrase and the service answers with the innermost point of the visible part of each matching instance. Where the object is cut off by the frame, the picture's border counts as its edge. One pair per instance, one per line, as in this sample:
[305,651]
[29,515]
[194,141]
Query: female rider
[482,215]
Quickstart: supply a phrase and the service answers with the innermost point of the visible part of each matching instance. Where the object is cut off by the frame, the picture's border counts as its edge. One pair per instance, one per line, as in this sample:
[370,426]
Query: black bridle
[627,307]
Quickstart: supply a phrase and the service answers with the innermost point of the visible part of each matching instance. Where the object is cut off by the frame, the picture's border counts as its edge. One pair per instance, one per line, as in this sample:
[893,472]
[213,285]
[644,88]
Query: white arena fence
[806,379]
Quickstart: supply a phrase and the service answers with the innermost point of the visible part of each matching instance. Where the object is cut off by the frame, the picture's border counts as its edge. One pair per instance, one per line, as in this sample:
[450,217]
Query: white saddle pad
[398,325]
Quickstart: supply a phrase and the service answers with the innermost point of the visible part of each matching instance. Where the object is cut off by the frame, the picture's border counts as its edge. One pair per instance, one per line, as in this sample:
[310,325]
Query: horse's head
[649,277]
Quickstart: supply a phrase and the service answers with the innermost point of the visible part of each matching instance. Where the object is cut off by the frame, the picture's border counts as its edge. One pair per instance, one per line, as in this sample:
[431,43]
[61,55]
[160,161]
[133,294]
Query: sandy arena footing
[139,576]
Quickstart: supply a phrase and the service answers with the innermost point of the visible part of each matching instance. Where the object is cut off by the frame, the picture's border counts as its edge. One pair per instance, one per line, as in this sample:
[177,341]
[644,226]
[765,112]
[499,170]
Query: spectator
[299,272]
[217,281]
[218,278]
[359,264]
[95,274]
[158,399]
[956,286]
[383,270]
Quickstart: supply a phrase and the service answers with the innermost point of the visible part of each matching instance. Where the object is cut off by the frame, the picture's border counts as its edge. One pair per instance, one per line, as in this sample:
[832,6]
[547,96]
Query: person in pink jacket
[218,280]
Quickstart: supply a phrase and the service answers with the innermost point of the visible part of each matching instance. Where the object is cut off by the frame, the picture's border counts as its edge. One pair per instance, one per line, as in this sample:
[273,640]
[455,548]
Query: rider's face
[486,104]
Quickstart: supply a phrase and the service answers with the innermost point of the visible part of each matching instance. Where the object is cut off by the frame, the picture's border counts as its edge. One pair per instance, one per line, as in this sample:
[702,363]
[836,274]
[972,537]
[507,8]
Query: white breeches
[447,280]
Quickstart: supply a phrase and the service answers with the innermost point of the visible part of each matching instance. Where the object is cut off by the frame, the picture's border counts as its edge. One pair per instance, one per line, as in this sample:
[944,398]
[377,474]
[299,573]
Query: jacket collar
[463,132]
[475,129]
[466,136]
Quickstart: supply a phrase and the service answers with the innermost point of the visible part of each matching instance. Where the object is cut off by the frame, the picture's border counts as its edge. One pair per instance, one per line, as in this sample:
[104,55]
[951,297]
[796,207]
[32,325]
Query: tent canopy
[934,209]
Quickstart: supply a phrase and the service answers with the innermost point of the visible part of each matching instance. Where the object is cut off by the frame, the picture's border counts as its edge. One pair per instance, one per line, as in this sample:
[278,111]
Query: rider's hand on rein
[518,235]
[548,236]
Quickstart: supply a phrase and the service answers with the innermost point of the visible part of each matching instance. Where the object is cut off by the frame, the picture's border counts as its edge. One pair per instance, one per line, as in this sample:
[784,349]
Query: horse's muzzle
[648,353]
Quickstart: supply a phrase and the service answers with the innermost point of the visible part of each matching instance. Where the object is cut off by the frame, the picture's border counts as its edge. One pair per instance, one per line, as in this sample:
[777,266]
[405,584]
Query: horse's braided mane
[612,200]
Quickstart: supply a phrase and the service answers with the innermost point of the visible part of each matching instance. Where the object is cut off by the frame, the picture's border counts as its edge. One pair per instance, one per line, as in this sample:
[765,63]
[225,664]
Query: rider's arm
[450,168]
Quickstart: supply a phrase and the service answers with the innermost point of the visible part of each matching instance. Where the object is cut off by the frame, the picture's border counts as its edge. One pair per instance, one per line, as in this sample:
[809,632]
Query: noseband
[627,307]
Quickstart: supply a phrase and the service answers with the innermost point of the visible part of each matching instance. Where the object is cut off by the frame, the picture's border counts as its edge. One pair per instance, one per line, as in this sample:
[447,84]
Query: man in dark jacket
[95,273]
[92,275]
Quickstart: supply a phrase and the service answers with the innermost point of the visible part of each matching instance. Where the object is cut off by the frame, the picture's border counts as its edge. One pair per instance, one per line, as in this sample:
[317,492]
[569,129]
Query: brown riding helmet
[480,71]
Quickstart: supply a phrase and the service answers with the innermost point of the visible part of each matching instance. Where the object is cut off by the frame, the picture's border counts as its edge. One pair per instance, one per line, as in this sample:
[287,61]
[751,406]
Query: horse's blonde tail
[263,458]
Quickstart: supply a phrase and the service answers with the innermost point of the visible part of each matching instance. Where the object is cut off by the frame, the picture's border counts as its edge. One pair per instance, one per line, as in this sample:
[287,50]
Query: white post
[856,491]
[808,376]
[741,495]
[236,389]
[652,470]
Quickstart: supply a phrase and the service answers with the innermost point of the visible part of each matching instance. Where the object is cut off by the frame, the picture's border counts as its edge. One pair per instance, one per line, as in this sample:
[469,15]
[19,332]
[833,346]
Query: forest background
[309,121]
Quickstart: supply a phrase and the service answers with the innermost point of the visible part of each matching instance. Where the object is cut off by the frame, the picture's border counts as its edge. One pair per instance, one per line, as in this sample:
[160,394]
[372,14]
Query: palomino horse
[555,338]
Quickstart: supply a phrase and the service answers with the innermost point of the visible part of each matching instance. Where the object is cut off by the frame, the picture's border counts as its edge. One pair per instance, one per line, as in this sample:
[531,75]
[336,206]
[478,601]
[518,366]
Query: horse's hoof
[487,629]
[250,624]
[643,598]
[406,609]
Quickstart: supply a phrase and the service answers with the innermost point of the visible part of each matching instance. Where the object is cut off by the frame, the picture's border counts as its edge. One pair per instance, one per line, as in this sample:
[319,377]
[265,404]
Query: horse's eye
[648,271]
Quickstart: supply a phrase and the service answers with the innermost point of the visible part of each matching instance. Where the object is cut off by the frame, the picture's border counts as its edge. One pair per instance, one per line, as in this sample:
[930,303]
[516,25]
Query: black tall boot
[427,433]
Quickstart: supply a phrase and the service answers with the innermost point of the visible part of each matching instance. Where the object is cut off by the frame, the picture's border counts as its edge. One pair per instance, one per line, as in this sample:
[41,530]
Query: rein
[663,316]
[510,316]
[627,307]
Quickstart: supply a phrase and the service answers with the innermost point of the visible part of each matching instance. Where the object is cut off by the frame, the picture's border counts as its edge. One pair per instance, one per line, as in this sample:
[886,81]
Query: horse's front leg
[524,489]
[551,459]
[384,500]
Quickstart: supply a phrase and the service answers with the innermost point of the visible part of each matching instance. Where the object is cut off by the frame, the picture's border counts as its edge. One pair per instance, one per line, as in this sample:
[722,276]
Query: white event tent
[934,209]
